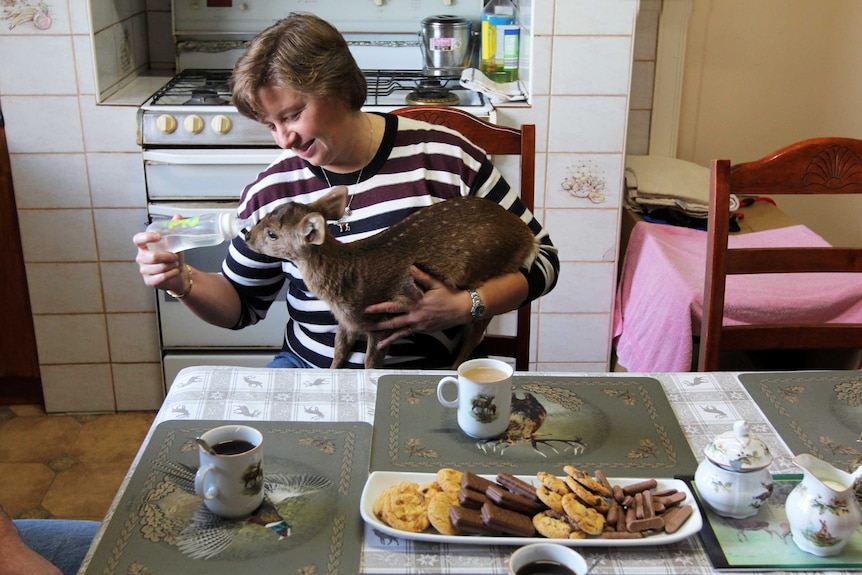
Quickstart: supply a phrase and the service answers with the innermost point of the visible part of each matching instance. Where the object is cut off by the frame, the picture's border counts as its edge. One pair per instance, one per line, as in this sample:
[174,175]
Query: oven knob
[193,124]
[166,123]
[221,124]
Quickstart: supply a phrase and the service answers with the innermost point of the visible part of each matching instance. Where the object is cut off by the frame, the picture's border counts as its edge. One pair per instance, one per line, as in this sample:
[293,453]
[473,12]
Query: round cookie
[405,508]
[449,479]
[587,497]
[430,489]
[551,527]
[550,498]
[588,519]
[593,485]
[552,482]
[438,512]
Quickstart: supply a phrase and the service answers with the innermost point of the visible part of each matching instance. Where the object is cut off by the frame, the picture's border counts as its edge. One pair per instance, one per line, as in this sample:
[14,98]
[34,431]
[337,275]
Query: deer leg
[344,340]
[473,334]
[373,356]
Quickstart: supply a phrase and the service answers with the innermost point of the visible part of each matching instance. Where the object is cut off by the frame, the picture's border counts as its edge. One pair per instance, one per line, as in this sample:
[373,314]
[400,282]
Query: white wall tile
[540,72]
[574,338]
[117,180]
[584,367]
[50,181]
[571,178]
[79,338]
[124,290]
[52,17]
[64,288]
[594,17]
[587,124]
[109,128]
[638,132]
[642,85]
[592,65]
[84,64]
[133,337]
[584,235]
[543,17]
[138,386]
[77,388]
[581,287]
[57,235]
[114,230]
[79,11]
[43,65]
[42,124]
[536,113]
[646,36]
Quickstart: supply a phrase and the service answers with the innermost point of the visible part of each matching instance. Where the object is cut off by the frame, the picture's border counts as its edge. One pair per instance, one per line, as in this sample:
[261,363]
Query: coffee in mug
[230,480]
[484,397]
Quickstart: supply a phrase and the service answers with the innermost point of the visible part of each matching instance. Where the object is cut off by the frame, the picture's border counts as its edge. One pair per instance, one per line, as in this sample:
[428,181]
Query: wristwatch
[478,309]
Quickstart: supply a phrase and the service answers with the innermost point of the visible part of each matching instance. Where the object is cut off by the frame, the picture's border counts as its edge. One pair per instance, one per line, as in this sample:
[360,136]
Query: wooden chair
[496,141]
[816,166]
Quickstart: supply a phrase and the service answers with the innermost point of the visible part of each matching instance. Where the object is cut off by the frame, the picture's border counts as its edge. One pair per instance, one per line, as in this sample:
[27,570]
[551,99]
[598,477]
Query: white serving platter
[380,480]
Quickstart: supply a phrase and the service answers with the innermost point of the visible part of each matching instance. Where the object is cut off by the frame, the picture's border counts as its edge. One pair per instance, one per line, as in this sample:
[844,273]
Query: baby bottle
[195,232]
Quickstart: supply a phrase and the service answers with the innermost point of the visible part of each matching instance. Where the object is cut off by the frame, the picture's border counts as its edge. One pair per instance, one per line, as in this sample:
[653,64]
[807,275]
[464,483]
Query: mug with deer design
[230,476]
[483,397]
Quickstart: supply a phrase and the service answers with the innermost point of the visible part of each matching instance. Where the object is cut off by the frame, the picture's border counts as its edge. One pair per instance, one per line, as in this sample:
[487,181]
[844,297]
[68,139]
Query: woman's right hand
[160,270]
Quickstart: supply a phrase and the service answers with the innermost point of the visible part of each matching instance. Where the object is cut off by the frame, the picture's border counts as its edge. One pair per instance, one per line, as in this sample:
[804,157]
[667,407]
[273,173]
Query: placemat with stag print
[622,425]
[309,522]
[816,412]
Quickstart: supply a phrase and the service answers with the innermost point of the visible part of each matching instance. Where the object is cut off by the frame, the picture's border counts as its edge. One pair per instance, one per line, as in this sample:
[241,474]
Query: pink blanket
[658,302]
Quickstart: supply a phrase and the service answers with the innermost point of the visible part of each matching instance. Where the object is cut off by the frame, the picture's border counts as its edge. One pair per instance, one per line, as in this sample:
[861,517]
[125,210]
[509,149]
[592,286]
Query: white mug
[484,397]
[231,480]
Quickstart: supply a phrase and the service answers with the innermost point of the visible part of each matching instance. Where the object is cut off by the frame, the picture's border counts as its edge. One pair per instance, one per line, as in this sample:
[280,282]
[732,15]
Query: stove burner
[205,97]
[432,98]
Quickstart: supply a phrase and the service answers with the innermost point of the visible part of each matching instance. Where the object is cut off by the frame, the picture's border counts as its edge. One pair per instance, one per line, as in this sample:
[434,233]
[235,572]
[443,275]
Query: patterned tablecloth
[705,405]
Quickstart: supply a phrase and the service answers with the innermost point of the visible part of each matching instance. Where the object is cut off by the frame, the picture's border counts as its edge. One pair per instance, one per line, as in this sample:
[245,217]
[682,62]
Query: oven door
[181,330]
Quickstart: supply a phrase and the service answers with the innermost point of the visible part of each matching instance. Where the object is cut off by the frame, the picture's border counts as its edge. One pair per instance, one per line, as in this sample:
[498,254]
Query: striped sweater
[416,165]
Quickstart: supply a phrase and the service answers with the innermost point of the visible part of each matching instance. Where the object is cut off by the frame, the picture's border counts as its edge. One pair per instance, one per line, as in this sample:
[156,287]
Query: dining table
[384,403]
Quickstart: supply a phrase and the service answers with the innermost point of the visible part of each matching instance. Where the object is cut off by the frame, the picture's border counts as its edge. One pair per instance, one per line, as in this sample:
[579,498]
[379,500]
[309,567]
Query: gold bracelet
[176,295]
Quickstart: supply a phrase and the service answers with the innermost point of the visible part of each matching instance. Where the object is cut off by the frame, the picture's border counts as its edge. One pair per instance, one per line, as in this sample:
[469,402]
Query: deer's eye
[271,235]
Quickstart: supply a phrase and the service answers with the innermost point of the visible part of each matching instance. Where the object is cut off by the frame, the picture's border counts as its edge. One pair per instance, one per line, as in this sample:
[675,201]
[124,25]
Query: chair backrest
[496,141]
[815,166]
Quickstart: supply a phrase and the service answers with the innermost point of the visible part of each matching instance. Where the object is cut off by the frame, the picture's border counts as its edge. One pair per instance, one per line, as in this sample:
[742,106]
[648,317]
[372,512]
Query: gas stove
[194,108]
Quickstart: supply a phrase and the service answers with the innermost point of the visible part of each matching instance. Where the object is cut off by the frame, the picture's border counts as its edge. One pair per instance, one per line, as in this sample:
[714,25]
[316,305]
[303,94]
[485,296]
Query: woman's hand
[160,270]
[440,307]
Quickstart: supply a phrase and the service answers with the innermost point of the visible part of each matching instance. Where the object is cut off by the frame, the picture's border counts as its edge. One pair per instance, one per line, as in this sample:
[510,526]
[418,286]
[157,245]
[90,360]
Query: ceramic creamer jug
[822,510]
[734,480]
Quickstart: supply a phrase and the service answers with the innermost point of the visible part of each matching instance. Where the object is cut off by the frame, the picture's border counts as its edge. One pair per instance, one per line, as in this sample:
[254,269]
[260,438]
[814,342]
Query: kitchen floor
[65,466]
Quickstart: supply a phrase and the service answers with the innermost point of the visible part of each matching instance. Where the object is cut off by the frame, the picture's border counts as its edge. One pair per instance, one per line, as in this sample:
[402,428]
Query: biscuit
[518,486]
[675,517]
[469,521]
[593,485]
[449,479]
[405,508]
[430,488]
[552,482]
[550,498]
[438,512]
[508,500]
[640,486]
[588,519]
[550,526]
[586,496]
[471,498]
[472,481]
[507,521]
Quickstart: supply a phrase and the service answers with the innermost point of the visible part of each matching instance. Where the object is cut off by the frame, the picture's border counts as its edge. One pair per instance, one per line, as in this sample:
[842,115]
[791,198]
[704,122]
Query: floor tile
[112,438]
[85,491]
[37,439]
[23,486]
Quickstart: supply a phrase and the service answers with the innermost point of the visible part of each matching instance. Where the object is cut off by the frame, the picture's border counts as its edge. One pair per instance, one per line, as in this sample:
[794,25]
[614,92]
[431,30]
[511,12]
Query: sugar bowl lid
[738,451]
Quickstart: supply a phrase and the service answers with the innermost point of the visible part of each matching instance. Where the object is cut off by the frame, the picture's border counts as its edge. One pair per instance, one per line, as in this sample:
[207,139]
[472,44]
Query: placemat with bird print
[314,474]
[816,412]
[623,426]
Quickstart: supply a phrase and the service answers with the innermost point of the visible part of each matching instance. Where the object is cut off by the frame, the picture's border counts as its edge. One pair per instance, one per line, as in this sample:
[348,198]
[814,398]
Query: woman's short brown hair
[304,53]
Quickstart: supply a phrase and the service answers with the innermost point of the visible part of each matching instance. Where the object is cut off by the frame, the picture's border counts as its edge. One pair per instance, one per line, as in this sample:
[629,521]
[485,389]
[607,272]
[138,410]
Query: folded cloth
[659,301]
[497,92]
[664,182]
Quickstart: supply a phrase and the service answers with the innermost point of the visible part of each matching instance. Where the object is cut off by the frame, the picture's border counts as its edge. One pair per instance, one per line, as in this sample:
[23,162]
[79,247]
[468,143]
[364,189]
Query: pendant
[347,212]
[343,227]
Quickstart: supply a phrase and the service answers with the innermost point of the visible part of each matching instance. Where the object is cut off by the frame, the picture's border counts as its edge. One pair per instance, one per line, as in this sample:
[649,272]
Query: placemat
[621,425]
[161,526]
[763,541]
[814,412]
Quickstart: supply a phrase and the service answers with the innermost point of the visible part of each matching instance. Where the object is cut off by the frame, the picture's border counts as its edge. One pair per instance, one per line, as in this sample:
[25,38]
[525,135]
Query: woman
[299,79]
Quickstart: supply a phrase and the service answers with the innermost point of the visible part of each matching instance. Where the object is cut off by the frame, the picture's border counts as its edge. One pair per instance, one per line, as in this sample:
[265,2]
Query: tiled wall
[79,187]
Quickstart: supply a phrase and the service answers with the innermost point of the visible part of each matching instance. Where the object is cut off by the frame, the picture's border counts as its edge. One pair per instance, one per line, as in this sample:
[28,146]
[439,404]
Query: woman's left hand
[440,307]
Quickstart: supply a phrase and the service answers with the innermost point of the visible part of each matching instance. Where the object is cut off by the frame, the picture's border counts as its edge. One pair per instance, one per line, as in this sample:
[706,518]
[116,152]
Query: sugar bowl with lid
[734,479]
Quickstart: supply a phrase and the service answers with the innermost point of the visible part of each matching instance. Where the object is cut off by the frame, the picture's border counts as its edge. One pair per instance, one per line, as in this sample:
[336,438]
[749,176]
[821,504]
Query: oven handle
[263,157]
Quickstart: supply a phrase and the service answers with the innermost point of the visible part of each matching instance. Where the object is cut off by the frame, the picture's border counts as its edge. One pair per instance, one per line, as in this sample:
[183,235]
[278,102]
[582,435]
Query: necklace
[343,225]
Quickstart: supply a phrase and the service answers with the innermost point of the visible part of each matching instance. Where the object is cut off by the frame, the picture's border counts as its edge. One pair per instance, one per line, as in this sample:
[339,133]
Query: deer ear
[313,228]
[333,204]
